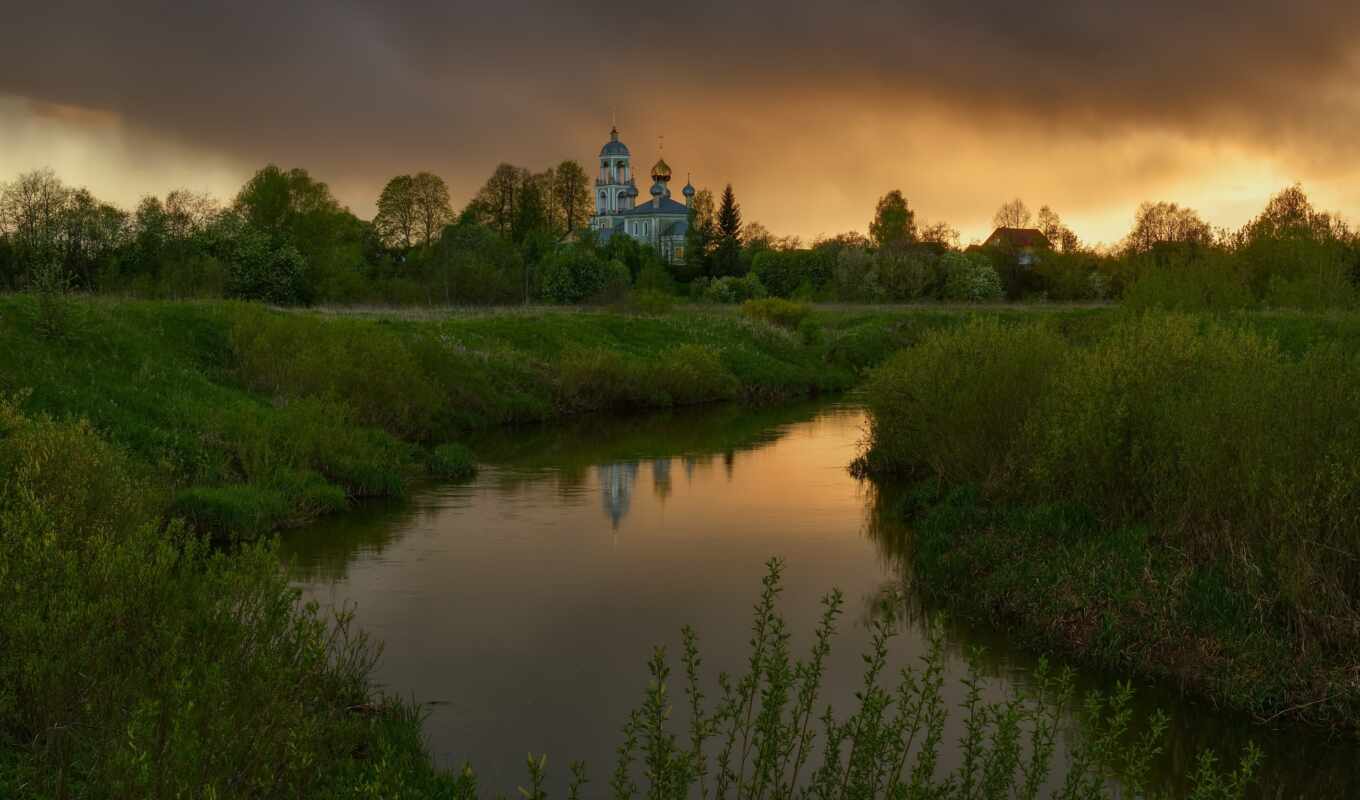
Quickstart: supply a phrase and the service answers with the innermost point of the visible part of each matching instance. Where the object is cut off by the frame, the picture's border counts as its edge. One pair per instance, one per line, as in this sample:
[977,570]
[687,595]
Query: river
[522,606]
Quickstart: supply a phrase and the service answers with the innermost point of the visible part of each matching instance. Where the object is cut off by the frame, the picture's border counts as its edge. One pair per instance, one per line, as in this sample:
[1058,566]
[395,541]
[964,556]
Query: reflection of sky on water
[529,598]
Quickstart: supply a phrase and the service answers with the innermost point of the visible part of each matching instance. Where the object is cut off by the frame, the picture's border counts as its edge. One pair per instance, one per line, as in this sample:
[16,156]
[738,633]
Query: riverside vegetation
[1167,494]
[251,419]
[137,658]
[137,661]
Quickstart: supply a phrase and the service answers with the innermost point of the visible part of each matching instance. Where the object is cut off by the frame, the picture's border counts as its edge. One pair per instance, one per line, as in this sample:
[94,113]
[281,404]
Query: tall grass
[1243,457]
[135,661]
[250,419]
[768,736]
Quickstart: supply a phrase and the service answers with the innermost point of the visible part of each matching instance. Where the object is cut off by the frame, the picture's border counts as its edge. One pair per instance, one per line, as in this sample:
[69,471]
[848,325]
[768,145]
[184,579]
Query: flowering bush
[969,277]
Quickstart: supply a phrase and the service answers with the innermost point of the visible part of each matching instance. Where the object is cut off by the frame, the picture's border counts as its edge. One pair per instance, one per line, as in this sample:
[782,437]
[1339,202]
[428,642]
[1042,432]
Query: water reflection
[616,489]
[530,598]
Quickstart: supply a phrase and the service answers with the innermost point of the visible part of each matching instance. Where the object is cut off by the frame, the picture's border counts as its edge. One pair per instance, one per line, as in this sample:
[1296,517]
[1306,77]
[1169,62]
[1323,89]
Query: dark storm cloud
[357,90]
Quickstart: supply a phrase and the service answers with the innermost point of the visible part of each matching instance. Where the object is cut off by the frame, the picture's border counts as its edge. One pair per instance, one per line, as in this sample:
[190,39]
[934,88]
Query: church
[660,222]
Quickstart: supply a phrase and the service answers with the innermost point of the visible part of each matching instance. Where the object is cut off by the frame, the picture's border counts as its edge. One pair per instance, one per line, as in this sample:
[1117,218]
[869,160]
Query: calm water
[524,605]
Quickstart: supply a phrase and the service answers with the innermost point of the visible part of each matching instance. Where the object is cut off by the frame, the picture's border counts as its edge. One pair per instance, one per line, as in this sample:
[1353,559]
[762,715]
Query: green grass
[1167,493]
[251,419]
[452,462]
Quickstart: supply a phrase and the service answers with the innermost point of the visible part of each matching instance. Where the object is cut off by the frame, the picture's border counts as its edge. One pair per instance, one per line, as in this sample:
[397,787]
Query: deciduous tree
[1014,214]
[1058,234]
[498,201]
[700,236]
[571,195]
[432,209]
[396,218]
[894,224]
[1166,223]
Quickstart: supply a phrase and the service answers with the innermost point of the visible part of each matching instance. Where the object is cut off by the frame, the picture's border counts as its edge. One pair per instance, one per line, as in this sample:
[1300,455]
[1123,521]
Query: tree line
[524,237]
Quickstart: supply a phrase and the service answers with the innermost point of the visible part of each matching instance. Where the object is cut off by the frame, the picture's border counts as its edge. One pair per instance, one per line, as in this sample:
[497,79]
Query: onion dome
[614,147]
[658,189]
[661,171]
[688,191]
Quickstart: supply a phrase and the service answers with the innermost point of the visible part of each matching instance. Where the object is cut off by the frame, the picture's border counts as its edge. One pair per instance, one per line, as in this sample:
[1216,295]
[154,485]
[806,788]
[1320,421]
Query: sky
[811,110]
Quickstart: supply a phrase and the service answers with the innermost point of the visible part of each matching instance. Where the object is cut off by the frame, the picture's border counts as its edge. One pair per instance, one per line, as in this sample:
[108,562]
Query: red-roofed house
[1024,242]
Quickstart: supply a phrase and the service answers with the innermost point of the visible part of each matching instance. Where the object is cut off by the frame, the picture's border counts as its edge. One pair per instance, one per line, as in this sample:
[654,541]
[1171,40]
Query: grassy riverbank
[1173,495]
[136,660]
[249,419]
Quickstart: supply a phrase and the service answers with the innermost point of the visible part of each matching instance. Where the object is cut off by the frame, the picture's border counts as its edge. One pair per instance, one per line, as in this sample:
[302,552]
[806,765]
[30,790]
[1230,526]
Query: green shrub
[1188,282]
[136,661]
[597,379]
[729,289]
[906,274]
[309,495]
[790,273]
[452,462]
[1229,447]
[231,512]
[261,271]
[650,301]
[777,311]
[655,278]
[577,274]
[369,368]
[811,332]
[95,483]
[692,373]
[52,286]
[969,277]
[317,435]
[951,405]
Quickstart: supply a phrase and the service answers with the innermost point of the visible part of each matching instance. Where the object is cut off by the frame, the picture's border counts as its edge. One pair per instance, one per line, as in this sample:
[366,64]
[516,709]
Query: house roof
[1017,238]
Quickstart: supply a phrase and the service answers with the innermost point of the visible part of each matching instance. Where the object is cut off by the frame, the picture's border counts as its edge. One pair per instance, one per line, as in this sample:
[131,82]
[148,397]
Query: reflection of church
[617,482]
[661,477]
[616,489]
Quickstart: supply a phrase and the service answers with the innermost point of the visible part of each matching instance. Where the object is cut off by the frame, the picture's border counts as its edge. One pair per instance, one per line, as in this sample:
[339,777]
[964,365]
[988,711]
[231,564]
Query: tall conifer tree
[727,258]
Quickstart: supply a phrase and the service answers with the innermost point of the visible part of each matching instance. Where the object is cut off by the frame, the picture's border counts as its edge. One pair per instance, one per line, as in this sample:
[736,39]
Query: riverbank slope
[1173,496]
[250,419]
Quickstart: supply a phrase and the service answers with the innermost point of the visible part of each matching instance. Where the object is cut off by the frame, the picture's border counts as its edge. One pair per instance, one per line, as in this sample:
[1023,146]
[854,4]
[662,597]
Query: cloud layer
[812,110]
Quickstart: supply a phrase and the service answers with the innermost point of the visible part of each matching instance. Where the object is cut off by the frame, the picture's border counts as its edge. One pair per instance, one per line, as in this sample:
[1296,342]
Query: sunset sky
[812,110]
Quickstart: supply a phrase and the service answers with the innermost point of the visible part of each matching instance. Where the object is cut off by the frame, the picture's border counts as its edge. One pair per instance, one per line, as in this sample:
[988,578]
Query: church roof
[668,206]
[614,147]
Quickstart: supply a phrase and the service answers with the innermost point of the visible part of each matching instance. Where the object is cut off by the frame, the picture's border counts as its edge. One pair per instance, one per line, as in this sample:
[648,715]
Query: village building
[660,221]
[1025,243]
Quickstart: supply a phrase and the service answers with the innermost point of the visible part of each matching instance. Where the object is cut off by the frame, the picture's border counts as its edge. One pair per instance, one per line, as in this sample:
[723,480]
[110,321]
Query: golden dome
[661,171]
